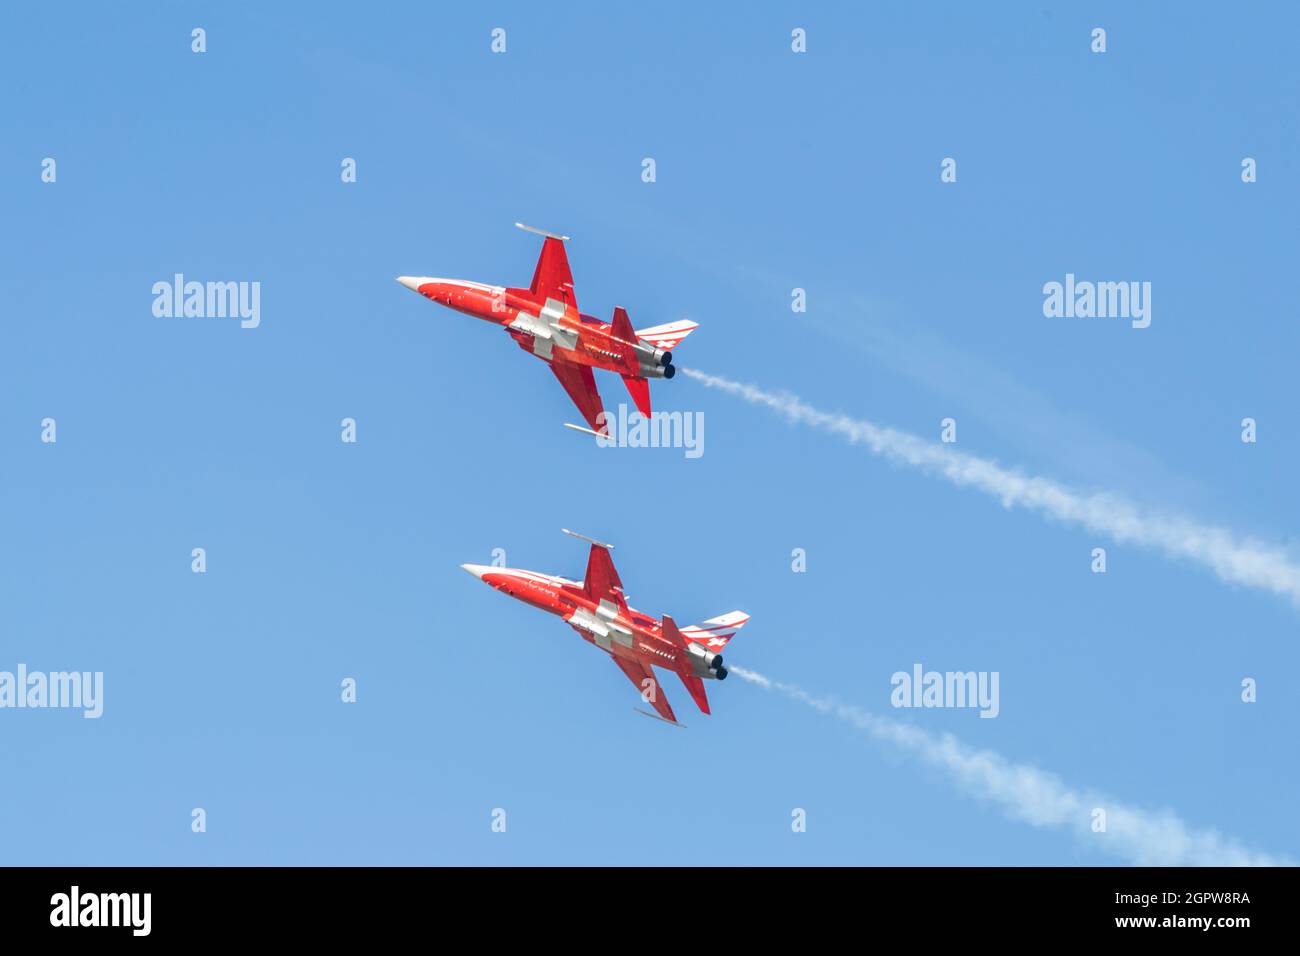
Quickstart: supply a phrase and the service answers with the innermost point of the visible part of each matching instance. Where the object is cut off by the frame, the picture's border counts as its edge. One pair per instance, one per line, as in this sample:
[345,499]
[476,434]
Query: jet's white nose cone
[412,282]
[478,570]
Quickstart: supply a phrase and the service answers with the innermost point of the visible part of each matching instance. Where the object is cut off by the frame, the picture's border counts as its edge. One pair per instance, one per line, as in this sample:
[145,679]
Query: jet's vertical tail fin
[714,633]
[668,335]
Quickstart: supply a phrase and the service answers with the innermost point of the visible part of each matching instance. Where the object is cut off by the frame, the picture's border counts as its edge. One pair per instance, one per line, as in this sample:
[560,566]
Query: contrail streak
[1235,560]
[1037,797]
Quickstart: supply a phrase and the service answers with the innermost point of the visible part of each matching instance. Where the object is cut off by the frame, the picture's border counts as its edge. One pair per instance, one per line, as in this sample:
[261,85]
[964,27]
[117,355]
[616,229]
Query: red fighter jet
[597,609]
[545,321]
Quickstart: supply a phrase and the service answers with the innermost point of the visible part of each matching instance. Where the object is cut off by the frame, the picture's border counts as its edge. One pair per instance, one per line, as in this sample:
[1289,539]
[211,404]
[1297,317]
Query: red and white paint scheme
[544,320]
[597,609]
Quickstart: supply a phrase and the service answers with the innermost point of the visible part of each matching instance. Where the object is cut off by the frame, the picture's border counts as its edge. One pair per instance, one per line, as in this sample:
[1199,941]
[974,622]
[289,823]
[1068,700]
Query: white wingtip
[670,723]
[588,431]
[541,232]
[599,544]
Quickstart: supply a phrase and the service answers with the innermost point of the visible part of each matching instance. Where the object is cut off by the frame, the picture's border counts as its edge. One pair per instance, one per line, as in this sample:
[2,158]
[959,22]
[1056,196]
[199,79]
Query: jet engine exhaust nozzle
[652,355]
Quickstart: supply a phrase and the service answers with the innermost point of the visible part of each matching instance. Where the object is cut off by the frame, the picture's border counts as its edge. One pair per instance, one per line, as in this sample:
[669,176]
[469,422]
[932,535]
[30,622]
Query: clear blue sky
[821,171]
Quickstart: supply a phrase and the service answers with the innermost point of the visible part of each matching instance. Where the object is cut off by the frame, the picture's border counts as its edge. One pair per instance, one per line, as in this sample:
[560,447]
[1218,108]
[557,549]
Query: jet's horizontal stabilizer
[673,636]
[621,327]
[696,687]
[639,389]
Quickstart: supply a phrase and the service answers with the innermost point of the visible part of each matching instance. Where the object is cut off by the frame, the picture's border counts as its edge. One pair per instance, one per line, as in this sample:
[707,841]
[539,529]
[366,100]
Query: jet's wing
[552,278]
[602,582]
[647,686]
[580,383]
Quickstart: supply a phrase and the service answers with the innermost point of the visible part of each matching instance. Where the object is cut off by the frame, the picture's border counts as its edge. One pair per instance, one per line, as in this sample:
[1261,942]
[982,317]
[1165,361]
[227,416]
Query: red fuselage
[630,635]
[550,329]
[544,321]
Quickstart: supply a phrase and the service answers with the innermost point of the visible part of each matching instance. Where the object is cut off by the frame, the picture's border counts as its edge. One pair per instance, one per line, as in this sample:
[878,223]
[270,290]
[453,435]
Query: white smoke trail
[1037,797]
[1237,561]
